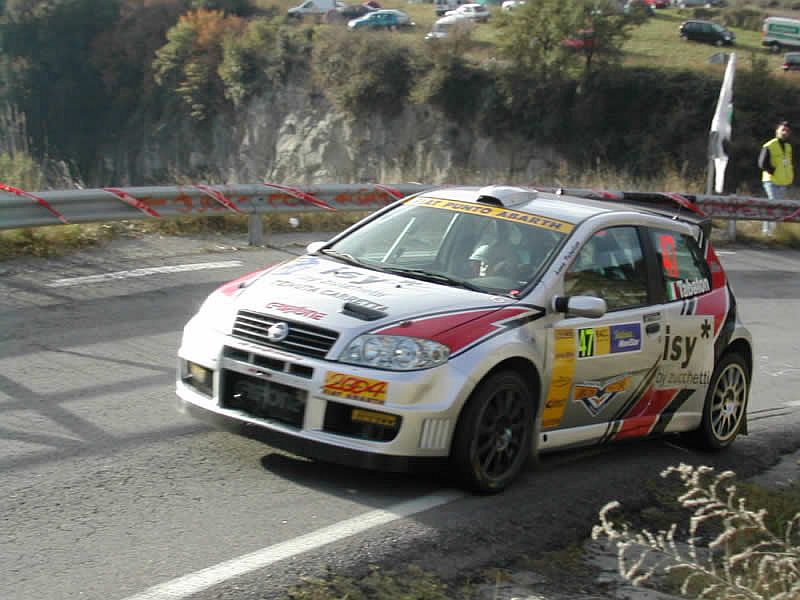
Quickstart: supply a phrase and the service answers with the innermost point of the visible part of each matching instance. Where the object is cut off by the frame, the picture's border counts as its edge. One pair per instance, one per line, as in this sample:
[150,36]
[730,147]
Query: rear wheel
[493,438]
[775,47]
[726,403]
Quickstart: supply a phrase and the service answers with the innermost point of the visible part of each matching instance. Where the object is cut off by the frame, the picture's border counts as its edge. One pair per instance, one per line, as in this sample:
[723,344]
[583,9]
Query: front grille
[303,339]
[263,399]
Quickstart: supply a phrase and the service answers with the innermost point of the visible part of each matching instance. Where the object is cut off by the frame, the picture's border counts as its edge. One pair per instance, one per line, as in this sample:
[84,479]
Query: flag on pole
[721,126]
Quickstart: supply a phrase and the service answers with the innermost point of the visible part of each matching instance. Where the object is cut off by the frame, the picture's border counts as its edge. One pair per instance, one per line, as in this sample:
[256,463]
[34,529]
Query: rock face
[295,136]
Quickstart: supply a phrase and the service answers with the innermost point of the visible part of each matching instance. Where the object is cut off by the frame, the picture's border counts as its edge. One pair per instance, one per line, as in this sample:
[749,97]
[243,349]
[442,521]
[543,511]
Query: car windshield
[474,246]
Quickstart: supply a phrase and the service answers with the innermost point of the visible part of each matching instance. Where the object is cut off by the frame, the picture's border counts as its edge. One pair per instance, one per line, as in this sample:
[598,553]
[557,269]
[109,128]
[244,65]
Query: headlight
[397,353]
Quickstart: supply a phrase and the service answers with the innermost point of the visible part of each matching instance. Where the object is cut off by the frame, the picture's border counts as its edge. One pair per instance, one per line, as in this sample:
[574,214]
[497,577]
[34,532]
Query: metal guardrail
[19,208]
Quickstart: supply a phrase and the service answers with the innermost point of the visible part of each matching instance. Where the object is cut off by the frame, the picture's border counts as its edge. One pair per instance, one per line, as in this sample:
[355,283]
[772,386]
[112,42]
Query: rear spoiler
[678,206]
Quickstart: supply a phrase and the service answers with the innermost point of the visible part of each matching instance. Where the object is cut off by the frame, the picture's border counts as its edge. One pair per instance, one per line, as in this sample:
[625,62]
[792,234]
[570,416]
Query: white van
[780,32]
[444,26]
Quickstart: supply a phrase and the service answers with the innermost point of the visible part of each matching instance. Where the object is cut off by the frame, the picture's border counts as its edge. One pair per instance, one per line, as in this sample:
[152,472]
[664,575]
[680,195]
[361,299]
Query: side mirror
[580,306]
[314,247]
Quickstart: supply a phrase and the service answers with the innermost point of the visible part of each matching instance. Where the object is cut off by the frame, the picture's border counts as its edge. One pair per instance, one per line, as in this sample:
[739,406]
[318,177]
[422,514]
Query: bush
[744,18]
[187,65]
[448,81]
[362,72]
[259,59]
[732,552]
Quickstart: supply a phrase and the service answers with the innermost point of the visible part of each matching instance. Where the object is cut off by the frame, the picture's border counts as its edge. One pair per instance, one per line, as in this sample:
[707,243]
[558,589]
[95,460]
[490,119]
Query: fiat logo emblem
[277,332]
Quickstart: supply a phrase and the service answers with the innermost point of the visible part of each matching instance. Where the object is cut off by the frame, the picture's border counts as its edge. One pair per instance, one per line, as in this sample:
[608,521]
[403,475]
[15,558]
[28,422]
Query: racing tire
[725,407]
[492,442]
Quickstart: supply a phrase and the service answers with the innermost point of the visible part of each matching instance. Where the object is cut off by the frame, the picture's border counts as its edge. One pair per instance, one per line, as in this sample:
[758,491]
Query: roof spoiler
[678,206]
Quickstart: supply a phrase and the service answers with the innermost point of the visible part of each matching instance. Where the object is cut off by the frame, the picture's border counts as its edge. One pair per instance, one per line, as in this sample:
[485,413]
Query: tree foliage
[259,59]
[362,74]
[541,39]
[47,72]
[187,65]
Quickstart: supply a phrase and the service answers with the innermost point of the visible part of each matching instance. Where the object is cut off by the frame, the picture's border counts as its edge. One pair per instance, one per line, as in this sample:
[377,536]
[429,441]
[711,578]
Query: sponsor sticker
[609,339]
[376,418]
[300,311]
[685,289]
[352,387]
[561,379]
[496,213]
[596,396]
[688,353]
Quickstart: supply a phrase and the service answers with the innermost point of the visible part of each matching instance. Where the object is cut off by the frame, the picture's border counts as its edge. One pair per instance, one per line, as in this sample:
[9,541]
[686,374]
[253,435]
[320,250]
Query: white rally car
[477,327]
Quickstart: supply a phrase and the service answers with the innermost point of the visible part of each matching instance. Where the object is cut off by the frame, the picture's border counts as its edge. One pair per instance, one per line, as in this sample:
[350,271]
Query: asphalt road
[106,490]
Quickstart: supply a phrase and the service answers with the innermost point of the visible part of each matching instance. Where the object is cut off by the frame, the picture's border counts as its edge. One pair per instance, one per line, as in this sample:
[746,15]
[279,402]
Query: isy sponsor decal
[687,355]
[352,387]
[609,339]
[596,396]
[300,311]
[298,264]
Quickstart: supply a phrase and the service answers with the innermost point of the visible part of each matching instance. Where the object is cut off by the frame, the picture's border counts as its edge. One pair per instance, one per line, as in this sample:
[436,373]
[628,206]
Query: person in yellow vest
[777,168]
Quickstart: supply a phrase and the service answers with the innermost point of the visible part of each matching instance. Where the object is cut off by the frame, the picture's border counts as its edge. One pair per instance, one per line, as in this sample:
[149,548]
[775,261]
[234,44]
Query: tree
[47,73]
[540,39]
[187,65]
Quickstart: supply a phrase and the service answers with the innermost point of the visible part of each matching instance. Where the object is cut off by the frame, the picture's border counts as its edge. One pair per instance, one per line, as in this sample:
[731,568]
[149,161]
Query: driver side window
[610,266]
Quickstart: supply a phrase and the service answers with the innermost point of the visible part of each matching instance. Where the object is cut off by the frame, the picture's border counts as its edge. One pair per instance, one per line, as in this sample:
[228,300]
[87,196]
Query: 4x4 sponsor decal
[609,339]
[353,387]
[495,213]
[596,396]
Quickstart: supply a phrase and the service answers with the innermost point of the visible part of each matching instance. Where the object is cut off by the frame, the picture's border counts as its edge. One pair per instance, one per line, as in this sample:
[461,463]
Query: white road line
[68,281]
[206,578]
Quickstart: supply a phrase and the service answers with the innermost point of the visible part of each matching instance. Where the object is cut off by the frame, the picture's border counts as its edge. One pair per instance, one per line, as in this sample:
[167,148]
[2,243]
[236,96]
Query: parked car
[631,6]
[382,19]
[511,5]
[572,322]
[582,40]
[353,11]
[659,3]
[700,3]
[442,6]
[443,27]
[791,61]
[708,32]
[476,12]
[778,33]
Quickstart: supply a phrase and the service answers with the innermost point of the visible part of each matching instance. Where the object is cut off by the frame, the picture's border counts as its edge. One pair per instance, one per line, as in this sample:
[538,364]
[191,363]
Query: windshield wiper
[434,277]
[345,257]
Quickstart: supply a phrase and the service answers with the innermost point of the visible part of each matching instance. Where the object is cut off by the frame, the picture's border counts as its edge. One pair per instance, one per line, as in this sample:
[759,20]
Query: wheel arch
[519,364]
[742,347]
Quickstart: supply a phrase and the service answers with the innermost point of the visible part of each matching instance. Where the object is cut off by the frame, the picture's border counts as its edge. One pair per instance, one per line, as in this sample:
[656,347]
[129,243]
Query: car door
[602,366]
[693,312]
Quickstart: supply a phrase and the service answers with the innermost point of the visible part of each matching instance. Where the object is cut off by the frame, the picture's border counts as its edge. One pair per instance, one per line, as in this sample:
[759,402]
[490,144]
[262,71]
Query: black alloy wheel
[493,438]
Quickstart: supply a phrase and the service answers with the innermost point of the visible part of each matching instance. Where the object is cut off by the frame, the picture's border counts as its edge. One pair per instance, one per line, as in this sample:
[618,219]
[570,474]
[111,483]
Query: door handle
[652,328]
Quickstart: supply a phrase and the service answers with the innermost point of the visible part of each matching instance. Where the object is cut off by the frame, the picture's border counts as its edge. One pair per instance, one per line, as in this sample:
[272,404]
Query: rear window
[686,273]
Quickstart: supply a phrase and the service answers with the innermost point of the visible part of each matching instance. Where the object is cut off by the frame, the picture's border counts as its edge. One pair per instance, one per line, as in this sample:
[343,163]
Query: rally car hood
[327,293]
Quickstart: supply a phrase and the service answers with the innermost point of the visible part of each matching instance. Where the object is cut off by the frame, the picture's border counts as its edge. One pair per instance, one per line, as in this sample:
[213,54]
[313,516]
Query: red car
[658,3]
[582,40]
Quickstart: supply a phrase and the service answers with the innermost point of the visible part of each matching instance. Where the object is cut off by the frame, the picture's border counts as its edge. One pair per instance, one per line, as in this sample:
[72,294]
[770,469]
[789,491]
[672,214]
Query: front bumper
[425,404]
[311,448]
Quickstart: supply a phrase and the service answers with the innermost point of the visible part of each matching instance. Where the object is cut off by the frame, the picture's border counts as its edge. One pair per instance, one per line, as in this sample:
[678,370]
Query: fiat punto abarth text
[474,328]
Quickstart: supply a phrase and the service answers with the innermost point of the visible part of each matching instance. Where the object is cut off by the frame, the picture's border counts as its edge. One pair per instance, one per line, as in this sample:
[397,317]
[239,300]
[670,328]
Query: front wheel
[725,405]
[493,438]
